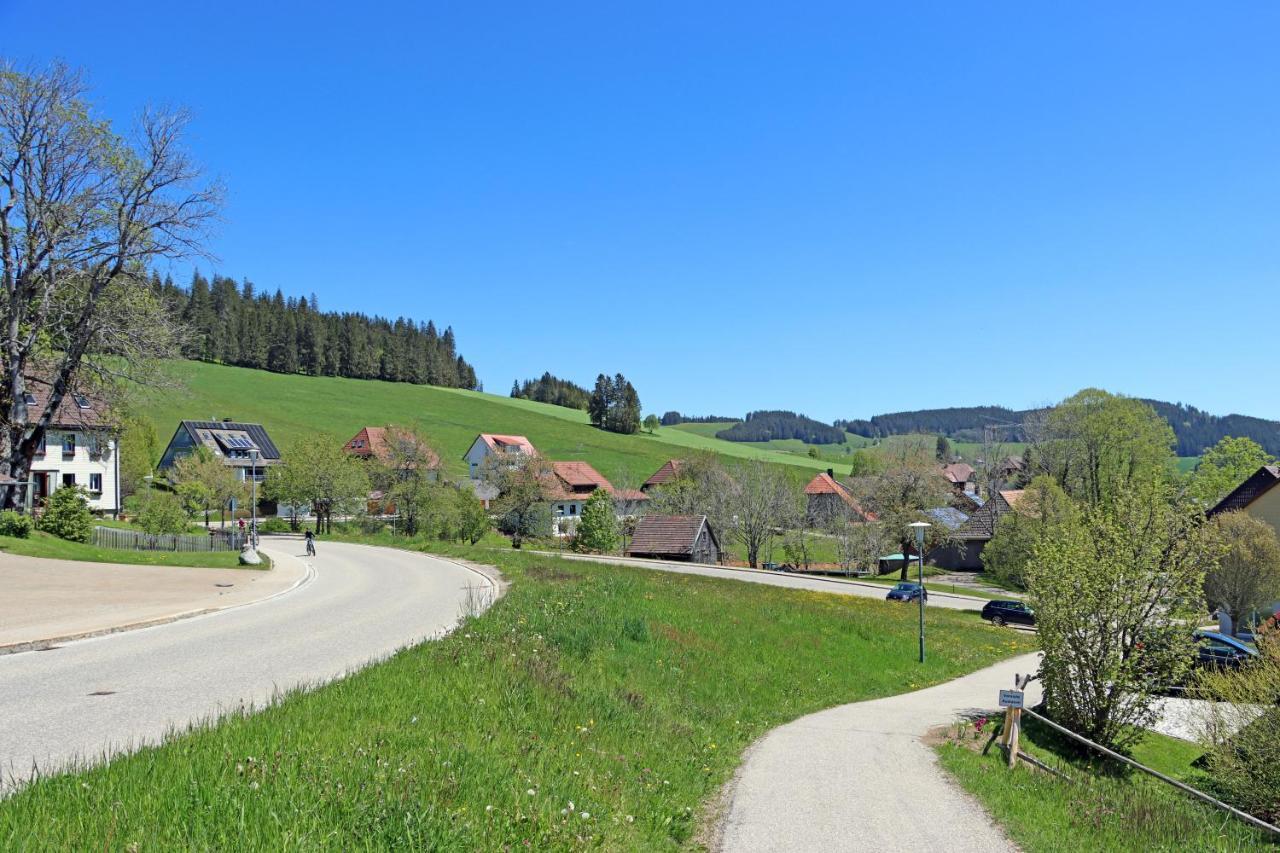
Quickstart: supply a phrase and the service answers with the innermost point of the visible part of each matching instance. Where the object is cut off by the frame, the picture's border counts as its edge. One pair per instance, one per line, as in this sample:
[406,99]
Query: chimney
[831,472]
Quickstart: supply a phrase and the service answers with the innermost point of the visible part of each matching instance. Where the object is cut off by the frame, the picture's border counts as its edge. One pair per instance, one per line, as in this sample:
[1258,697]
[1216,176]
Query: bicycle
[311,547]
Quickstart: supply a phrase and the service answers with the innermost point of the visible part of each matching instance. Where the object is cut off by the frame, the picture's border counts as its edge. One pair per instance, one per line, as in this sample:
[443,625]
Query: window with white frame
[95,483]
[68,444]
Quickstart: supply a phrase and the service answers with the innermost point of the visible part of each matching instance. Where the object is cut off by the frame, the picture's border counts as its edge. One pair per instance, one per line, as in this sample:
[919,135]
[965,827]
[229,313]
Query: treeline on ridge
[551,389]
[1193,429]
[766,426]
[235,324]
[673,418]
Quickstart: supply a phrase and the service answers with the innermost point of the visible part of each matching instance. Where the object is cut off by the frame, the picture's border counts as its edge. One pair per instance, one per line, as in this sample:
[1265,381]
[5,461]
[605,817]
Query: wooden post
[1013,737]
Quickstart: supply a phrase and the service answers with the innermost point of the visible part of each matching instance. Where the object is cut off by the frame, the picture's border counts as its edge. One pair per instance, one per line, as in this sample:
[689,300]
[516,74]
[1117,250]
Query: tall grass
[592,706]
[1102,806]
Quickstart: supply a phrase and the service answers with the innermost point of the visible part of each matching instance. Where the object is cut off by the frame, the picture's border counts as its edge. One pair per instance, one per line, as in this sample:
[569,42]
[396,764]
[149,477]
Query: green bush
[274,525]
[163,513]
[15,524]
[66,515]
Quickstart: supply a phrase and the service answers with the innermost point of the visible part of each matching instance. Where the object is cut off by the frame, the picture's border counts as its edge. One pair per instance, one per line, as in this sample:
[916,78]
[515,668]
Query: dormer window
[82,401]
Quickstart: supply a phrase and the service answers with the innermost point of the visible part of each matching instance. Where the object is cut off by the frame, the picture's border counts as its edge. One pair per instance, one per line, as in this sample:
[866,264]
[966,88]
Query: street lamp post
[919,527]
[253,473]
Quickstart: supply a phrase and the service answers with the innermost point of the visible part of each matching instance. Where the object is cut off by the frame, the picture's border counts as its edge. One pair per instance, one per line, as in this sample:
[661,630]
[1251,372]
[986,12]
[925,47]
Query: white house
[505,446]
[79,449]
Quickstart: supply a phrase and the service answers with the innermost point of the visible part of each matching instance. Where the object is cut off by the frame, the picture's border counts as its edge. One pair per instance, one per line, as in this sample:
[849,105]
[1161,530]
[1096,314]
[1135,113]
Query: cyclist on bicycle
[311,543]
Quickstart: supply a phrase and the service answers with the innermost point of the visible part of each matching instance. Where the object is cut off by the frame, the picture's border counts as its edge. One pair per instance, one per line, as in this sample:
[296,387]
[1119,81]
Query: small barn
[685,538]
[828,499]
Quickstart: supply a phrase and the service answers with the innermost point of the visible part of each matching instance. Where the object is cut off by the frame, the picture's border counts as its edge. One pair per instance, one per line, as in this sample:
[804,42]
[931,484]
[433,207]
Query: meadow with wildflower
[592,706]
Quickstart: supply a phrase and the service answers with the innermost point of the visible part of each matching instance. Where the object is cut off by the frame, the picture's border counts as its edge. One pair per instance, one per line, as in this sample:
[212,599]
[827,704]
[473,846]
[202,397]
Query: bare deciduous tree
[84,212]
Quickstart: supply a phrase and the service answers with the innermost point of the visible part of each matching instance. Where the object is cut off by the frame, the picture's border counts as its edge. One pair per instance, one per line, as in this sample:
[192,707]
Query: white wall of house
[91,464]
[480,451]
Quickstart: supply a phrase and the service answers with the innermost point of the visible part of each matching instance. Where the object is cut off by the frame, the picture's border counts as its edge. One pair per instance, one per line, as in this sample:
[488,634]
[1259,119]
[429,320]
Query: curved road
[117,692]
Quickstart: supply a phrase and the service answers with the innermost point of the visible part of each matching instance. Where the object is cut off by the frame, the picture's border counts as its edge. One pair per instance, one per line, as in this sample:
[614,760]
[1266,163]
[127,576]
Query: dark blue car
[907,591]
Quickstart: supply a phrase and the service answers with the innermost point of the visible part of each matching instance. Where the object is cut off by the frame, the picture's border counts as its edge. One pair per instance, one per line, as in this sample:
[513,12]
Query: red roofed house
[383,444]
[972,536]
[572,483]
[828,499]
[961,476]
[668,472]
[686,538]
[488,444]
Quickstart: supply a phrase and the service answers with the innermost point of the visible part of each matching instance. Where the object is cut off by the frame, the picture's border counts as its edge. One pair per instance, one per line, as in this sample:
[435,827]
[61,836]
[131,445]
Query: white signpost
[1010,698]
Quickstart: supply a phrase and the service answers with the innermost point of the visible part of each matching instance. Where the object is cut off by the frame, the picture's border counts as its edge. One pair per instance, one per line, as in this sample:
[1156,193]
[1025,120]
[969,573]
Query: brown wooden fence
[136,540]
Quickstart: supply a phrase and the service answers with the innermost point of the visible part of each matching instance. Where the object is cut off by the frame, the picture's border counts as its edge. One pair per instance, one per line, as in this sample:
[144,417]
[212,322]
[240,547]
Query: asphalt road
[839,586]
[117,692]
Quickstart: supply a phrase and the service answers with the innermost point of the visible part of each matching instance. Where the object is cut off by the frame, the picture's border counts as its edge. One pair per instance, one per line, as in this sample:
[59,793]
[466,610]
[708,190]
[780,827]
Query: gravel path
[859,777]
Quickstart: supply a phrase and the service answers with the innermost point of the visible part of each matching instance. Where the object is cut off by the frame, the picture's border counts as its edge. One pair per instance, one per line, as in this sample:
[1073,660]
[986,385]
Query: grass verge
[1102,808]
[593,706]
[42,544]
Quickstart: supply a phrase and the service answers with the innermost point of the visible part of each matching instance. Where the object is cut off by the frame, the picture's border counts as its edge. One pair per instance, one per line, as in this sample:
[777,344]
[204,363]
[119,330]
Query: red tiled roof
[958,472]
[981,525]
[672,535]
[578,480]
[508,442]
[372,441]
[69,412]
[825,484]
[668,472]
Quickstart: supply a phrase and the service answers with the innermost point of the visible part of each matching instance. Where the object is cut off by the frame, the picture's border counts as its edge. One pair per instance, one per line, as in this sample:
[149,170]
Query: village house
[827,499]
[569,486]
[962,477]
[682,538]
[382,445]
[1259,497]
[244,447]
[78,449]
[510,447]
[669,471]
[965,552]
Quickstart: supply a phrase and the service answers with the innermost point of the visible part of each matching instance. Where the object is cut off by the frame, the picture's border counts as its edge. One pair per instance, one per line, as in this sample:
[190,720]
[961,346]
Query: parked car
[1008,613]
[1220,651]
[907,591]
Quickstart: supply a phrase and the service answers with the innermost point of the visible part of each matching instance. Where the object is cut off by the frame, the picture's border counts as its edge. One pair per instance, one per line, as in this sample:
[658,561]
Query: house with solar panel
[246,448]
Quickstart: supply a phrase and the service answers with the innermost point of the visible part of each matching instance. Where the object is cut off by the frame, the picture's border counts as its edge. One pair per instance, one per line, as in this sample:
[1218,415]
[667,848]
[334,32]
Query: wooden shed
[686,538]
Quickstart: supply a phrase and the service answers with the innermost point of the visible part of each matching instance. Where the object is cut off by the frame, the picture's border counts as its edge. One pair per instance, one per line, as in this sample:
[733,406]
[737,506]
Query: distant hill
[1194,429]
[768,426]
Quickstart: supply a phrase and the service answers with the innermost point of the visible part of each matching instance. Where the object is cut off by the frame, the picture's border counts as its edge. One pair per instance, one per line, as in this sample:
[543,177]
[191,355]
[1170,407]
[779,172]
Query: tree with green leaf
[205,482]
[67,515]
[1114,596]
[316,470]
[163,513]
[1098,446]
[651,424]
[907,485]
[473,518]
[1043,508]
[1224,466]
[597,531]
[1247,579]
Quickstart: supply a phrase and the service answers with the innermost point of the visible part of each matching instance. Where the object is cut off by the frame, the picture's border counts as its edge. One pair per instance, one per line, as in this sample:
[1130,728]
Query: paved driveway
[115,692]
[56,599]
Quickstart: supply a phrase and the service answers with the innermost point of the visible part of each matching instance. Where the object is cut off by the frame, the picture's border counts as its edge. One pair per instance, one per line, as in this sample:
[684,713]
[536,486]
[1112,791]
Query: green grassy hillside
[290,406]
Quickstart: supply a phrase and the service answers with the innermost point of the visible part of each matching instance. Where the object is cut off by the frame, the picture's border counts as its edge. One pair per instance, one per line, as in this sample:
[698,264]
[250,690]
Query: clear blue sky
[842,209]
